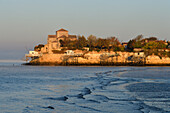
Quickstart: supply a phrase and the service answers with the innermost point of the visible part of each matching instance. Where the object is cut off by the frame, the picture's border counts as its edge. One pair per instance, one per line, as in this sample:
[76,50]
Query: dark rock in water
[27,107]
[86,91]
[59,98]
[63,98]
[80,96]
[94,101]
[49,107]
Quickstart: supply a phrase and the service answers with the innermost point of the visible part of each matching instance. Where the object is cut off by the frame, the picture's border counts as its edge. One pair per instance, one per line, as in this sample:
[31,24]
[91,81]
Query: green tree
[135,43]
[154,45]
[138,38]
[99,43]
[138,44]
[91,42]
[106,43]
[62,43]
[130,45]
[114,42]
[38,48]
[152,38]
[81,42]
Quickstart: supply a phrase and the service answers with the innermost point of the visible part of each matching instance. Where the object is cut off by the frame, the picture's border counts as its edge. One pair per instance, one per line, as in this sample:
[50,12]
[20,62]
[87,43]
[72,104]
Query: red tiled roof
[62,29]
[52,36]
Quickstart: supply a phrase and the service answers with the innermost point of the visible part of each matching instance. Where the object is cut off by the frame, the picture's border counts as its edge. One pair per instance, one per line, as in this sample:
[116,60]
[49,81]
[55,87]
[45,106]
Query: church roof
[52,36]
[62,29]
[72,36]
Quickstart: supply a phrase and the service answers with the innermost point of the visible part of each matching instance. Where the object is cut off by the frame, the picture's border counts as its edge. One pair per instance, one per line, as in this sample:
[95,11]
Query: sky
[26,23]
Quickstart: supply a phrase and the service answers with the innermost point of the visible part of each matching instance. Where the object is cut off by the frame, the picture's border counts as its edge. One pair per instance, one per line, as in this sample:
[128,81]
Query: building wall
[51,38]
[44,49]
[53,41]
[61,33]
[55,46]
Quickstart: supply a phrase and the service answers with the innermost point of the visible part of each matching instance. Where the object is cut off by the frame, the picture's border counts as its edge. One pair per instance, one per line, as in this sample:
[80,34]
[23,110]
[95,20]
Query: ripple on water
[155,96]
[83,89]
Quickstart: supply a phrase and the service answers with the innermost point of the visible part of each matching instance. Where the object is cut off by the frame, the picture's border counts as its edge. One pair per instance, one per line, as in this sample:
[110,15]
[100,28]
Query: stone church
[53,41]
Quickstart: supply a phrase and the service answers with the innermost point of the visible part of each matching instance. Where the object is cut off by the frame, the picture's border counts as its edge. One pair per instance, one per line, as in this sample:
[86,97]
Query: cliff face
[153,59]
[98,58]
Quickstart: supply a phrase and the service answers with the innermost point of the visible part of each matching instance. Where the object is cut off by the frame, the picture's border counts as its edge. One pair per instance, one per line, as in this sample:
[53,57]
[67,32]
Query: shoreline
[92,64]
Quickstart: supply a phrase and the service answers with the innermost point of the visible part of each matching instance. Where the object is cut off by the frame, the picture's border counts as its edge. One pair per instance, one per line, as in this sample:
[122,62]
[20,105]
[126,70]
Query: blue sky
[25,23]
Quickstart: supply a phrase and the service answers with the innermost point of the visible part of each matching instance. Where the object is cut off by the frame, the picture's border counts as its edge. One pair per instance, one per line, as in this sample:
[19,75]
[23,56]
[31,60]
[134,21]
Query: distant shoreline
[94,64]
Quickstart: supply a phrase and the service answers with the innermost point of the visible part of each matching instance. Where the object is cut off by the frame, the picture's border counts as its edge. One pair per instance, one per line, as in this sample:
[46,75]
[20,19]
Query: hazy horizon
[24,24]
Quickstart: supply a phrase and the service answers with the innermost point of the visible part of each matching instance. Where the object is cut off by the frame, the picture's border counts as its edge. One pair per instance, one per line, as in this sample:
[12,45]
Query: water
[36,89]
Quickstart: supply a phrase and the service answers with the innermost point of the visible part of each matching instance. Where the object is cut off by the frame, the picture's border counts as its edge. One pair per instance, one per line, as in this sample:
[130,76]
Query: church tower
[62,32]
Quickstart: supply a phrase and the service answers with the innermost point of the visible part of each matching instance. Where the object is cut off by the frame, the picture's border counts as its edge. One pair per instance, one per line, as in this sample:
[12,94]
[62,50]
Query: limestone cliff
[100,57]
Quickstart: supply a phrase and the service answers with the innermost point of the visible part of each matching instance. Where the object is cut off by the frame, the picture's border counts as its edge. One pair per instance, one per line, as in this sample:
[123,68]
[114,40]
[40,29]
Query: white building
[69,52]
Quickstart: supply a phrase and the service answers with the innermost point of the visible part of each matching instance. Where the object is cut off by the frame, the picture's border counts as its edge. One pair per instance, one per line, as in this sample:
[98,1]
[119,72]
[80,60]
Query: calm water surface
[36,89]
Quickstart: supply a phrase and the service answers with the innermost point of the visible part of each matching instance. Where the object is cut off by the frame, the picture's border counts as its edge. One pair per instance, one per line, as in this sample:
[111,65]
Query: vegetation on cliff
[93,43]
[38,47]
[148,45]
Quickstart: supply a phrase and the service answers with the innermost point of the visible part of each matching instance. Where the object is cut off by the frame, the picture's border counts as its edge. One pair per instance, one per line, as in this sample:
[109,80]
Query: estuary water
[48,89]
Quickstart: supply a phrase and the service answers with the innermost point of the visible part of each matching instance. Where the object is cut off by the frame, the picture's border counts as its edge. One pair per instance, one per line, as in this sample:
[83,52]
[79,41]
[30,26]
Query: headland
[65,49]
